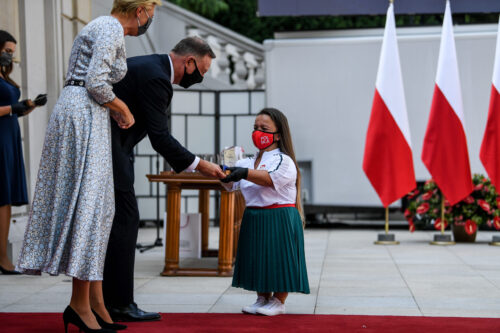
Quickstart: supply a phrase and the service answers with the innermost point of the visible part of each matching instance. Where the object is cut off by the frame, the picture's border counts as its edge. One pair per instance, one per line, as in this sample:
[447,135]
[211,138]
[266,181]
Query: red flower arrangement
[481,206]
[423,208]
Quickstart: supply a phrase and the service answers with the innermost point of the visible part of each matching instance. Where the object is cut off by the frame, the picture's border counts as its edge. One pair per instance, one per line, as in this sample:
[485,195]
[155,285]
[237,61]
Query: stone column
[240,70]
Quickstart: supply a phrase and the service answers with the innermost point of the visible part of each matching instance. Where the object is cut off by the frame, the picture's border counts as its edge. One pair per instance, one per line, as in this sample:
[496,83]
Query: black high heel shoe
[7,272]
[113,326]
[71,317]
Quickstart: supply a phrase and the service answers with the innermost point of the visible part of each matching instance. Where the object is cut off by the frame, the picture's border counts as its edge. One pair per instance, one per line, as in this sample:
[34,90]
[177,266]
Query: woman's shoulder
[105,19]
[104,24]
[286,158]
[280,159]
[5,83]
[279,155]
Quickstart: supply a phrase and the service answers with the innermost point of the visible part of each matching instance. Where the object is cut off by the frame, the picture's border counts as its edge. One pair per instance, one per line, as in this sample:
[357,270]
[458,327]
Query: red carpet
[220,322]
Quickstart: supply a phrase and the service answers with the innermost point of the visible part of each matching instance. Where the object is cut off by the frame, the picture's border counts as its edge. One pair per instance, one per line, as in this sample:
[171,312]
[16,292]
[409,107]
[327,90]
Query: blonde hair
[130,6]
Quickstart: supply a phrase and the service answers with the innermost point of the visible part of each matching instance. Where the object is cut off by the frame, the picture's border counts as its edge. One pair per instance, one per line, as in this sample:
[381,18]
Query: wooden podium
[176,182]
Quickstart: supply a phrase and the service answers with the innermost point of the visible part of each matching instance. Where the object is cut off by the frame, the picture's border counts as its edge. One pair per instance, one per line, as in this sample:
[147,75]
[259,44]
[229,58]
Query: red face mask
[262,140]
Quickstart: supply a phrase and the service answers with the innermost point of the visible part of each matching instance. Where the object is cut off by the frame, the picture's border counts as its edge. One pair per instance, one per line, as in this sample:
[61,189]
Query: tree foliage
[242,17]
[207,8]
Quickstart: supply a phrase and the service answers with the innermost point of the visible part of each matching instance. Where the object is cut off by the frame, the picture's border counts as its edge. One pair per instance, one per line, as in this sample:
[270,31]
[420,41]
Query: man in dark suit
[147,91]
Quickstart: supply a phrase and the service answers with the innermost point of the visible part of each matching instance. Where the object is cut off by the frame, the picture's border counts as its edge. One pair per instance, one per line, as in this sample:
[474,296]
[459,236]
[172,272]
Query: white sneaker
[272,308]
[261,301]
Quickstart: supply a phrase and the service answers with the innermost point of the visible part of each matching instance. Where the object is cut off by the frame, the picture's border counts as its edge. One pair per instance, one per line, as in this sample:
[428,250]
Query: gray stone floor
[348,274]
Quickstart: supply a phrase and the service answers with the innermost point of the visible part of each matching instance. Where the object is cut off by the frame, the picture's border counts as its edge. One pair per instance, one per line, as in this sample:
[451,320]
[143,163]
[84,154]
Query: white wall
[36,27]
[325,82]
[45,31]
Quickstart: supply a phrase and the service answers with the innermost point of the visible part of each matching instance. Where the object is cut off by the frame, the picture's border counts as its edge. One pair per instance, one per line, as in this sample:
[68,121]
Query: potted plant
[480,207]
[424,206]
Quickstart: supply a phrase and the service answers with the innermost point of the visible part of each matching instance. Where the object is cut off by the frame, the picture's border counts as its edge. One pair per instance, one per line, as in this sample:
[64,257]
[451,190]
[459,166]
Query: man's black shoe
[132,313]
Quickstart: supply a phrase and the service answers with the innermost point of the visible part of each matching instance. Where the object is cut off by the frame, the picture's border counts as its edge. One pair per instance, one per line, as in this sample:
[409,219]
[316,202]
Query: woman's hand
[120,113]
[22,108]
[31,107]
[40,100]
[259,177]
[116,116]
[236,174]
[125,120]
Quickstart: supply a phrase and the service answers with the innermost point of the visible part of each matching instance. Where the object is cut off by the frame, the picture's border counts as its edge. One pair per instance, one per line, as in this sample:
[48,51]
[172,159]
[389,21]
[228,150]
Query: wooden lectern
[195,181]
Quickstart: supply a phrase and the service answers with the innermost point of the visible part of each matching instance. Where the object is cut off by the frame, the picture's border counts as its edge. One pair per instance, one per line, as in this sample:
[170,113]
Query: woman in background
[12,175]
[270,256]
[73,203]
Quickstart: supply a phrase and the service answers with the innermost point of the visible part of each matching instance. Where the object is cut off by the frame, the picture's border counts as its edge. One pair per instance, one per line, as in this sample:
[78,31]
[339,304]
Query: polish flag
[490,148]
[444,150]
[388,161]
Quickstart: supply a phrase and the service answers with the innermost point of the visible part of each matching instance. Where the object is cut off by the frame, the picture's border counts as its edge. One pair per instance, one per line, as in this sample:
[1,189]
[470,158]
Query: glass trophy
[230,155]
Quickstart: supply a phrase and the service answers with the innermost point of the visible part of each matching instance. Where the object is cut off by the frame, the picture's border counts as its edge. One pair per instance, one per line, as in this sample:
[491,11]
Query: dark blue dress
[12,178]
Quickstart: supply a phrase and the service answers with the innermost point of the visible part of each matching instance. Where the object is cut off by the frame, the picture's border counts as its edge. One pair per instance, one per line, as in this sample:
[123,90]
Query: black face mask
[141,30]
[5,59]
[189,79]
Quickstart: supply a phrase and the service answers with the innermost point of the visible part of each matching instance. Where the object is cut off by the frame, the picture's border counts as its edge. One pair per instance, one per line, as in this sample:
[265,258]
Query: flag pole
[442,215]
[442,239]
[447,75]
[386,220]
[387,238]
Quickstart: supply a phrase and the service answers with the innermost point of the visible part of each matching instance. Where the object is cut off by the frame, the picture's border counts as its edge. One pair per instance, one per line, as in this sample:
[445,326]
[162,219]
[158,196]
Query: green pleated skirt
[270,255]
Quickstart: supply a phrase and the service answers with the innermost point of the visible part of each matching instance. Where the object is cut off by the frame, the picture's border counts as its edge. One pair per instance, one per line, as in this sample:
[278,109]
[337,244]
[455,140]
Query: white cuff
[193,165]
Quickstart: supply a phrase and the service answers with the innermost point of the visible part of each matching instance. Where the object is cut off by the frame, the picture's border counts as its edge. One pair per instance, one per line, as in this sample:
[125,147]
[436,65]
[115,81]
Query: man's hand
[210,169]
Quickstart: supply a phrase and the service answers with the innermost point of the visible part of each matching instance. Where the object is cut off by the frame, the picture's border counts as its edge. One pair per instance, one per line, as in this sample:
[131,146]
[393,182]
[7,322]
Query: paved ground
[347,275]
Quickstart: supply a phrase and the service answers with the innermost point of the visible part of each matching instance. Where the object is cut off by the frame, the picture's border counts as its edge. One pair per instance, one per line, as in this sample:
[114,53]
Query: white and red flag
[388,161]
[444,151]
[490,148]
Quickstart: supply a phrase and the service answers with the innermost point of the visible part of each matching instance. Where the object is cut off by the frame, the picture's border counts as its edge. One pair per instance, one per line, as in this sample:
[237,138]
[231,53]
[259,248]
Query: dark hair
[286,146]
[193,46]
[6,70]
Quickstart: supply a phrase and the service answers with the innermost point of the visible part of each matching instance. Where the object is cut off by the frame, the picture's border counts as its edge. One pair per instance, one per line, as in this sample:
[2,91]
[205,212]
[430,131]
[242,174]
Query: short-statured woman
[270,257]
[12,177]
[73,202]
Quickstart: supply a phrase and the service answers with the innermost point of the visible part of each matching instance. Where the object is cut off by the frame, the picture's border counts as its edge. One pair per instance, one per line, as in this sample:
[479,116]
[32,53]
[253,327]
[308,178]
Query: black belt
[78,83]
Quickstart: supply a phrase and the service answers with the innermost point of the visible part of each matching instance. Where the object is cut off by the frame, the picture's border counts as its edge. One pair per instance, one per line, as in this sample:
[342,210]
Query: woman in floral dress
[73,203]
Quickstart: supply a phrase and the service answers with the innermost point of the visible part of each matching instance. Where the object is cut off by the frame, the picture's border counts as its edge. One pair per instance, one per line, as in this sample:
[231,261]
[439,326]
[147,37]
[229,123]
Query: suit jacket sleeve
[154,99]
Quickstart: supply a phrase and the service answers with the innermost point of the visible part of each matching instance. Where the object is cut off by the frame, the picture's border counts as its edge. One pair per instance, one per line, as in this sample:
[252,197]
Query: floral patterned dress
[73,204]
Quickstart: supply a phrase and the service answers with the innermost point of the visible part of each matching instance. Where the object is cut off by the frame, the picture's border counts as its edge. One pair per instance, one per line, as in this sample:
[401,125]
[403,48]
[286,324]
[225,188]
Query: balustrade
[239,60]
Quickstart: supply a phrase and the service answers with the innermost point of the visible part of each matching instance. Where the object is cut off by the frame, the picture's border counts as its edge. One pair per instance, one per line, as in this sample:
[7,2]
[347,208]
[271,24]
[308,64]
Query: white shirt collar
[274,151]
[171,69]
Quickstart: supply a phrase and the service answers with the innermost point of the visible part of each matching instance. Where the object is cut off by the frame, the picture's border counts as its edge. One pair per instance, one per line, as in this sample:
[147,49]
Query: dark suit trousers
[118,283]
